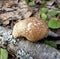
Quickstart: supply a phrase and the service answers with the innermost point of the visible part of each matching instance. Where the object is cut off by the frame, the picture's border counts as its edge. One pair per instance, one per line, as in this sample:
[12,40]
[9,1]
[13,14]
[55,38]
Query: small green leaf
[3,54]
[43,16]
[54,24]
[52,13]
[27,1]
[50,43]
[43,10]
[32,3]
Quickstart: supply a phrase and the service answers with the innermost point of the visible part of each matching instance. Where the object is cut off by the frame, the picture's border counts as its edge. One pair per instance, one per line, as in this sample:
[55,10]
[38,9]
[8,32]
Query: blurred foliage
[45,4]
[27,1]
[44,16]
[32,3]
[54,24]
[50,43]
[52,13]
[58,6]
[43,10]
[3,54]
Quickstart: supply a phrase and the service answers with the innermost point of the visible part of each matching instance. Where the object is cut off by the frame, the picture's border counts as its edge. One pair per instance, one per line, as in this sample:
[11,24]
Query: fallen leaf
[6,22]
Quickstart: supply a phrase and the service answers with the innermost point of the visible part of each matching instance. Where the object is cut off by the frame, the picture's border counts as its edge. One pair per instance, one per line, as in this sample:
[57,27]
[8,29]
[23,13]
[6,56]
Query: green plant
[58,6]
[52,13]
[27,1]
[44,16]
[3,54]
[50,43]
[44,4]
[43,10]
[53,23]
[32,3]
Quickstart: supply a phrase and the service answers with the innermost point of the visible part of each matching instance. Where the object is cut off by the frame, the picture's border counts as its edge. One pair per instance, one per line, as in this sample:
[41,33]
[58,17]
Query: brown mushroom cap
[32,28]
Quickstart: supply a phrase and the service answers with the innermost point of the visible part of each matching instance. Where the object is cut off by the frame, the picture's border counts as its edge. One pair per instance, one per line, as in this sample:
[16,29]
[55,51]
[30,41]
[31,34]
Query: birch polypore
[31,28]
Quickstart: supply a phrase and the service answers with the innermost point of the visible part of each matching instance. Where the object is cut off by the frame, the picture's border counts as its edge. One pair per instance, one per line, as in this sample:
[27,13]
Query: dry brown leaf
[6,5]
[6,22]
[6,15]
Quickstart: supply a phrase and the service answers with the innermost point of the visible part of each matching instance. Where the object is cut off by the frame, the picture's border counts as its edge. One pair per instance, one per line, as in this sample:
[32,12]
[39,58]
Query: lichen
[23,54]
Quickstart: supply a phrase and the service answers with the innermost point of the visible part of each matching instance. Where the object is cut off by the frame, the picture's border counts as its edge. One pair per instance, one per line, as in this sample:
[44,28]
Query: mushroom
[31,28]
